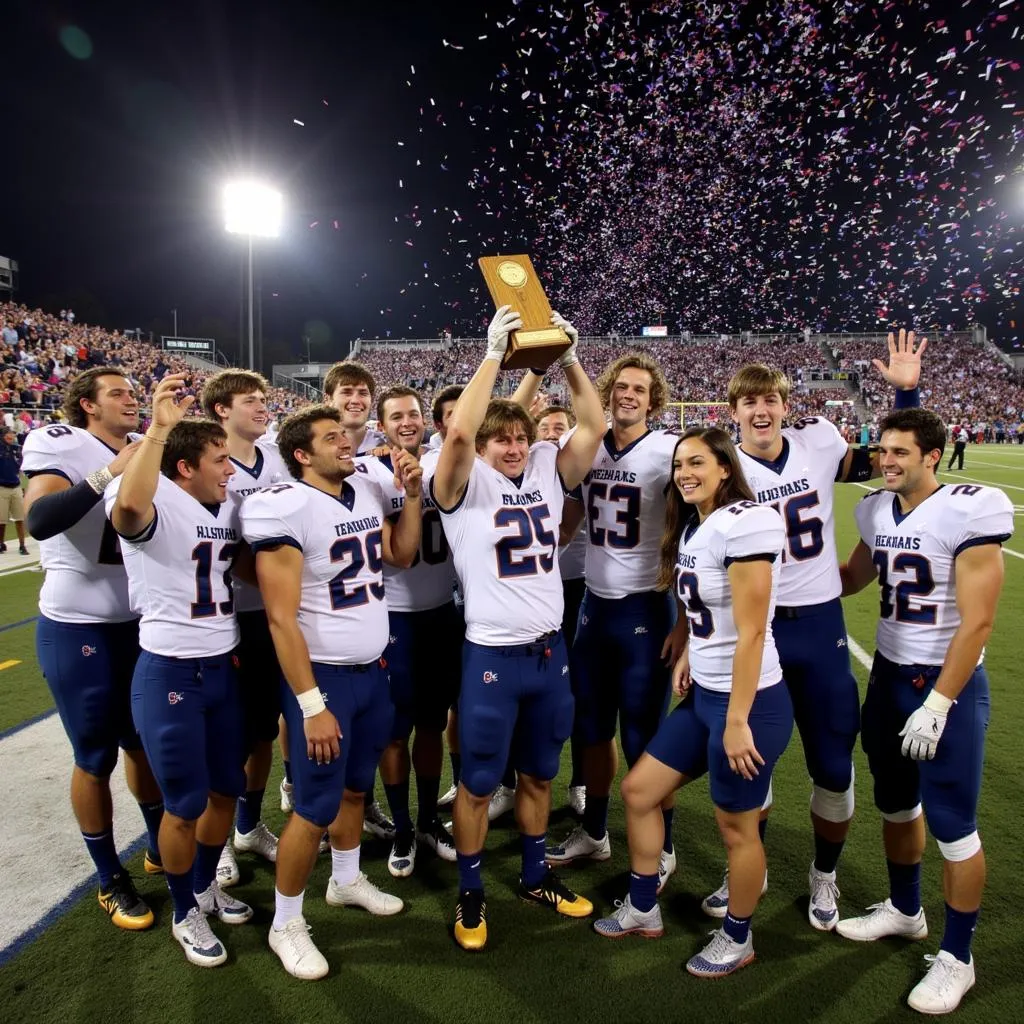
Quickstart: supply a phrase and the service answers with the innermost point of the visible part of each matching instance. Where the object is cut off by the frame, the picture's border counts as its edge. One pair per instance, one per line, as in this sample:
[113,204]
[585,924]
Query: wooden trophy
[512,281]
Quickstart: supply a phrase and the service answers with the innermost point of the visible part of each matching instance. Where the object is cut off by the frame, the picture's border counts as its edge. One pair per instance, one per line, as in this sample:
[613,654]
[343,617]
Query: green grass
[538,967]
[23,691]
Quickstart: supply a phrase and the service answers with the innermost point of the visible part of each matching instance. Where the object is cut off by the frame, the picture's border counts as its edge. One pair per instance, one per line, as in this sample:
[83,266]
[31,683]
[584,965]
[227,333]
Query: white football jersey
[914,557]
[267,470]
[342,613]
[624,499]
[731,533]
[504,540]
[179,573]
[428,582]
[371,439]
[799,486]
[572,557]
[85,577]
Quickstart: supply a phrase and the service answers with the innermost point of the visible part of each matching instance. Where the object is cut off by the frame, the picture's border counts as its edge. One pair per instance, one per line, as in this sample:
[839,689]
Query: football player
[87,637]
[936,552]
[424,652]
[180,536]
[793,469]
[619,672]
[237,400]
[720,554]
[321,544]
[500,499]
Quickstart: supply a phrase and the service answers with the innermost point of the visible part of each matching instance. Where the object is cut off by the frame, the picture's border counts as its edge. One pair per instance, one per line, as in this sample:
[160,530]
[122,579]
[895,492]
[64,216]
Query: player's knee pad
[960,849]
[833,806]
[485,737]
[902,817]
[769,798]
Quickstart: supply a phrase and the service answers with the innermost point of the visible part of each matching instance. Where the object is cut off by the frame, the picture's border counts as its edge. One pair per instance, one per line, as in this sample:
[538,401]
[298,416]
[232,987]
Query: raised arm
[402,536]
[576,458]
[133,509]
[459,449]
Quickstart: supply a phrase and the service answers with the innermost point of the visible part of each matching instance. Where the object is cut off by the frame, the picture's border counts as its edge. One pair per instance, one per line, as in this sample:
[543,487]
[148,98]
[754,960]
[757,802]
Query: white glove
[505,320]
[569,356]
[924,727]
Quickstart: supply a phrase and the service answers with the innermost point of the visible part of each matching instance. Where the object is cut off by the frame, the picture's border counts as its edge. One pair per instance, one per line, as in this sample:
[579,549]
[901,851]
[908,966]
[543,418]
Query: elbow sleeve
[51,514]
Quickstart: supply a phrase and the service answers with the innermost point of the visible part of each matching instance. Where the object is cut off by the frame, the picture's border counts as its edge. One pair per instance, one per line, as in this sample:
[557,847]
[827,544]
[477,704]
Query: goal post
[703,414]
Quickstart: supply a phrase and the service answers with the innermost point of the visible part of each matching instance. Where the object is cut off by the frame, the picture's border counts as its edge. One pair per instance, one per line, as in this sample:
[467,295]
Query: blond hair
[635,361]
[757,379]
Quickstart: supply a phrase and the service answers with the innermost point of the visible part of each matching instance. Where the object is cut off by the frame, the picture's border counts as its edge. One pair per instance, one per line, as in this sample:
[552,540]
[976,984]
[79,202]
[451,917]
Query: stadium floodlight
[254,210]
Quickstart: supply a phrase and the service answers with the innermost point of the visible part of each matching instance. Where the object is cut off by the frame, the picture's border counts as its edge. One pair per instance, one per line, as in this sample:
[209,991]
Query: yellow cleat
[471,920]
[124,905]
[554,893]
[152,867]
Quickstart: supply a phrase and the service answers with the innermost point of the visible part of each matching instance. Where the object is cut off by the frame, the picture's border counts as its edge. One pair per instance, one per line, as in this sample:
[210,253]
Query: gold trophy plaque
[512,281]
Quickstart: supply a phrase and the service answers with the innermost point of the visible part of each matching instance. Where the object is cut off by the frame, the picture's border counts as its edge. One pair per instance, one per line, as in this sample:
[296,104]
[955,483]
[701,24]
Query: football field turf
[539,967]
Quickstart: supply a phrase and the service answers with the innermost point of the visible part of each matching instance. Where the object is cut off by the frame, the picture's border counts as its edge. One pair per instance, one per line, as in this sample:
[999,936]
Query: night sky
[711,166]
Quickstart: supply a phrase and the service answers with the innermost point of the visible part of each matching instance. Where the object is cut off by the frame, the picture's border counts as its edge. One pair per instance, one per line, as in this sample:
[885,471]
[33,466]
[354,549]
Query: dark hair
[679,515]
[396,391]
[452,393]
[347,372]
[86,385]
[928,429]
[503,415]
[221,389]
[296,433]
[187,441]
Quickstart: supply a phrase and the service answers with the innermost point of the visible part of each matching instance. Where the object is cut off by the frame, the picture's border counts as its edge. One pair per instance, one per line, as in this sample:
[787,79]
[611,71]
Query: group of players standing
[190,569]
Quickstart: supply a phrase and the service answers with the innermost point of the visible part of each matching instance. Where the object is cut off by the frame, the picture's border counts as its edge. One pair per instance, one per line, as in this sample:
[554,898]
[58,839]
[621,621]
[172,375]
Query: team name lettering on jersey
[533,498]
[618,475]
[369,523]
[898,543]
[216,533]
[770,494]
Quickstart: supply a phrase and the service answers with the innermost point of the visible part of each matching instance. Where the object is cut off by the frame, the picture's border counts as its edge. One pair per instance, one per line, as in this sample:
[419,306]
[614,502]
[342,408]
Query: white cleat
[402,858]
[666,868]
[196,937]
[627,920]
[297,951]
[227,868]
[578,800]
[503,799]
[260,841]
[227,908]
[287,803]
[363,893]
[721,956]
[883,921]
[823,909]
[717,904]
[579,845]
[948,980]
[448,798]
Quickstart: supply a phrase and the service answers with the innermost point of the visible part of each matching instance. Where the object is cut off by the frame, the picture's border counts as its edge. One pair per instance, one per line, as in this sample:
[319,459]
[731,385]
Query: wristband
[311,702]
[568,358]
[99,479]
[907,398]
[938,703]
[495,356]
[147,436]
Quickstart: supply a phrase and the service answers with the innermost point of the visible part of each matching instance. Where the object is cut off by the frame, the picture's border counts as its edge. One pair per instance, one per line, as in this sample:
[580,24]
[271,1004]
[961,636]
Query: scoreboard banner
[205,347]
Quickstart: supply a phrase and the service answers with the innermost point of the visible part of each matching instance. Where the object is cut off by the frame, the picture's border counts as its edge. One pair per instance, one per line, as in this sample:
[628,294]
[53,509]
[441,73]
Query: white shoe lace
[941,974]
[296,933]
[824,890]
[200,930]
[716,949]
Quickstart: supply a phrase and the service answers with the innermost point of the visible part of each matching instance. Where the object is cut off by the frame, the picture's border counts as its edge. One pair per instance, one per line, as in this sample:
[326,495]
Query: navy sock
[668,816]
[643,891]
[508,780]
[427,790]
[534,866]
[368,796]
[104,855]
[762,826]
[181,893]
[826,854]
[398,801]
[204,867]
[250,806]
[153,814]
[456,759]
[956,939]
[905,887]
[737,928]
[469,870]
[595,816]
[287,771]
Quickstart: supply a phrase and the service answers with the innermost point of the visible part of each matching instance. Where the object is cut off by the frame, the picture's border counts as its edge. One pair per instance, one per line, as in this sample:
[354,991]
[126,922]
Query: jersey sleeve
[274,517]
[53,449]
[864,514]
[544,456]
[824,437]
[755,532]
[984,516]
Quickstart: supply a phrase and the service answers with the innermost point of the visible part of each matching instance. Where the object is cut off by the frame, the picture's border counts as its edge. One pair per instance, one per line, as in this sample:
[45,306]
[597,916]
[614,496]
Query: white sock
[286,908]
[344,866]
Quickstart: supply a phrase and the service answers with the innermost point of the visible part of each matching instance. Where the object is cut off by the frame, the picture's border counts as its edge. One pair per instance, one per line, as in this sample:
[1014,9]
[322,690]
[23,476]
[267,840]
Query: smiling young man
[500,498]
[793,469]
[87,639]
[426,633]
[936,552]
[180,535]
[237,399]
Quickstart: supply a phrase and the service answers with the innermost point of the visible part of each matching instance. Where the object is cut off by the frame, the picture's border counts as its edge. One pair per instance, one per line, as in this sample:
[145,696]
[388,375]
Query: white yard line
[858,652]
[976,480]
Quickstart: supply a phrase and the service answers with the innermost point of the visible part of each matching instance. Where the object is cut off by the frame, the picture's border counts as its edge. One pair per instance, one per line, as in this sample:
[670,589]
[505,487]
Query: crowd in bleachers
[40,352]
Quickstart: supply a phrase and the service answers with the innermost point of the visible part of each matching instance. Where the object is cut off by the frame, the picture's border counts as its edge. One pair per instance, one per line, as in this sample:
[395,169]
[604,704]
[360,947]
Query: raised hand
[904,369]
[408,472]
[569,356]
[504,321]
[168,410]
